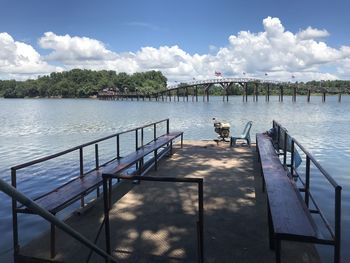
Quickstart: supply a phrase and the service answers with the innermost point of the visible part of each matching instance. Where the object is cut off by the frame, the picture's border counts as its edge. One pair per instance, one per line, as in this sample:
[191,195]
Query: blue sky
[195,27]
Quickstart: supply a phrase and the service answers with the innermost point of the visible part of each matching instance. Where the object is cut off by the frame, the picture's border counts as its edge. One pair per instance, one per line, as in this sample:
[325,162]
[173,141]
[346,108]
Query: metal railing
[285,142]
[199,223]
[139,133]
[27,202]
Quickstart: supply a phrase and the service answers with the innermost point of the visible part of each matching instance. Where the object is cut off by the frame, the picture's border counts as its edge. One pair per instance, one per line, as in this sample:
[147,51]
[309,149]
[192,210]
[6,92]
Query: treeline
[82,83]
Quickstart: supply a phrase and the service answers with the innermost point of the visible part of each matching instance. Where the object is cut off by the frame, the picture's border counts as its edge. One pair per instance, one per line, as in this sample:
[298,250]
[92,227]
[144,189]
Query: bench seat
[289,217]
[70,192]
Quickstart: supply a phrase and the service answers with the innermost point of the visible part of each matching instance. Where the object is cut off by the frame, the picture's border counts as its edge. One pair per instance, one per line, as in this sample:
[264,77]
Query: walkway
[155,222]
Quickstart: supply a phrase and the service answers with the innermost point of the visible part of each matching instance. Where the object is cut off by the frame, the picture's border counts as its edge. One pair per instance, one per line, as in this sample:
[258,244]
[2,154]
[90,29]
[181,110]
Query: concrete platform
[155,222]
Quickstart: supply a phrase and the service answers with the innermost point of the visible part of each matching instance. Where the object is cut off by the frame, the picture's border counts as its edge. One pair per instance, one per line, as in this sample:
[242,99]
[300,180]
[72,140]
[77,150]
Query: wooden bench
[70,192]
[288,216]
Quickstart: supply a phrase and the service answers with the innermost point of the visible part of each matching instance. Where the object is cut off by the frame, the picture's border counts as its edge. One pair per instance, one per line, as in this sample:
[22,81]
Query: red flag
[218,74]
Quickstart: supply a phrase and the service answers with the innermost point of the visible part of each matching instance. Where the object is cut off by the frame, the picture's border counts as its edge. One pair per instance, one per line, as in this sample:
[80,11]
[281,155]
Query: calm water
[38,127]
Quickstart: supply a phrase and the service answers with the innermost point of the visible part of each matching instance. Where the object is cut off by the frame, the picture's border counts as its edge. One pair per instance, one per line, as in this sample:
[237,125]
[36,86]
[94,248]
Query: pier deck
[155,221]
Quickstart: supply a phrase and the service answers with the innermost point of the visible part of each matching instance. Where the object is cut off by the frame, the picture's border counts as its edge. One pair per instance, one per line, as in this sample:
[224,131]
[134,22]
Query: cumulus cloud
[69,49]
[20,61]
[275,50]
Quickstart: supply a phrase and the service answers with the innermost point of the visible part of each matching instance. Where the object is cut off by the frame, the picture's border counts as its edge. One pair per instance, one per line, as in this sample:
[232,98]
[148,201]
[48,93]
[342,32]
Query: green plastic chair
[244,136]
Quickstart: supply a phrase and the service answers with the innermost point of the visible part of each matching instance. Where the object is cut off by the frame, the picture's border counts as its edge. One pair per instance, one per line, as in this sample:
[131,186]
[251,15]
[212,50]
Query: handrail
[336,233]
[46,158]
[312,158]
[80,150]
[19,197]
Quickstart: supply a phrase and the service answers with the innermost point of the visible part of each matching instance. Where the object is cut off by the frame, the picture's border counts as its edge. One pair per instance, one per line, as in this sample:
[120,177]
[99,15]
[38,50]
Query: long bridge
[247,87]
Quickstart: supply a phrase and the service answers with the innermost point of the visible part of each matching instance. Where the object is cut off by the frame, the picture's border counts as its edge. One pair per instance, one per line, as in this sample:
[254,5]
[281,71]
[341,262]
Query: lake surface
[32,128]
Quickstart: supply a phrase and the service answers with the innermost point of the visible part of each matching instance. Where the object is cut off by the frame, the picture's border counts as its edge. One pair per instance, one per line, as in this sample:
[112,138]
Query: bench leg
[106,215]
[278,250]
[109,193]
[53,241]
[271,237]
[156,160]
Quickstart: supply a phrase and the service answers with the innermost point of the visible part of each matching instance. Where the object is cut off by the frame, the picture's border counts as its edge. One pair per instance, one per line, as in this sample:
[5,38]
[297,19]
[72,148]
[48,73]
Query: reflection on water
[33,128]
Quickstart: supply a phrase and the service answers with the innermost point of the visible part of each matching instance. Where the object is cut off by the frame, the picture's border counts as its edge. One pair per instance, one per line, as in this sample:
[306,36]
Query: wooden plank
[71,191]
[289,214]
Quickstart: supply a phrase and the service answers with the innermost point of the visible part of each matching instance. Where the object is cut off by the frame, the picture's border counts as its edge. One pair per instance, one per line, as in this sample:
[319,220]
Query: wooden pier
[252,89]
[156,221]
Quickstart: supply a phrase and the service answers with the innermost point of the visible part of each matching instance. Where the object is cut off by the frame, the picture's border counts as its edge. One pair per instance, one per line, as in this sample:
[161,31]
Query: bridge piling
[281,94]
[294,94]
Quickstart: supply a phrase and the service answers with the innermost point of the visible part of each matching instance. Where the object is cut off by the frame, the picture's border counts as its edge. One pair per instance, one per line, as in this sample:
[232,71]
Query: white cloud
[312,33]
[21,61]
[275,50]
[69,49]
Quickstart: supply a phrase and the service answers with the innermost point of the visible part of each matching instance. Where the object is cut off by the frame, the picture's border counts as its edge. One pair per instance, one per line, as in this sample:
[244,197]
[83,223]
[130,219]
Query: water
[32,128]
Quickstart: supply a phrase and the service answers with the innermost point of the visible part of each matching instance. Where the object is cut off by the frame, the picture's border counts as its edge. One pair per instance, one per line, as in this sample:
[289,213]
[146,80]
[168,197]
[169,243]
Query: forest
[82,83]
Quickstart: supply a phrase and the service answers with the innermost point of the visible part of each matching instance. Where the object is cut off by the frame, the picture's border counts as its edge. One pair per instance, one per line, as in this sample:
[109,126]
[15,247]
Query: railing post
[167,126]
[14,214]
[81,161]
[118,147]
[278,137]
[285,148]
[337,224]
[292,158]
[136,139]
[141,137]
[155,131]
[307,181]
[97,163]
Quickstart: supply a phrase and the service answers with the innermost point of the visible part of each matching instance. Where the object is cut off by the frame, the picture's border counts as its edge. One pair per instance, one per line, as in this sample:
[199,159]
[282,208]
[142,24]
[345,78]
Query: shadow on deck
[156,221]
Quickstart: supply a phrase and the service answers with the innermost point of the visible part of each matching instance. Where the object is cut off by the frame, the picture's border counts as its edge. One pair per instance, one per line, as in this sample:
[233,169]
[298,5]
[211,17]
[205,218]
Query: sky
[183,39]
